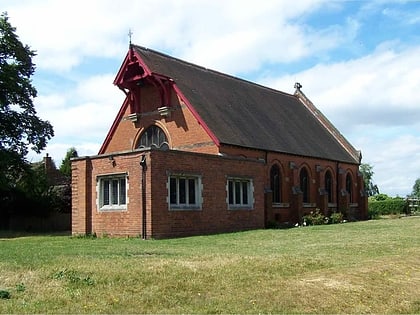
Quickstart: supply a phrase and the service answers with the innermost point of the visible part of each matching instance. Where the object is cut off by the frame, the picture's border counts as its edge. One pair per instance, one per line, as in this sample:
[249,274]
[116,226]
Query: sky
[357,61]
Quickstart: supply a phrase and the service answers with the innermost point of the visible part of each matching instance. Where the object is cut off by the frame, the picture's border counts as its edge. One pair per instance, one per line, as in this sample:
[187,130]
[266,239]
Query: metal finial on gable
[298,86]
[130,33]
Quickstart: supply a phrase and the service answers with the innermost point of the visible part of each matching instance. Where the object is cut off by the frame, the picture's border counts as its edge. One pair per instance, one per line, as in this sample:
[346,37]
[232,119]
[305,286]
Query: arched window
[304,184]
[153,137]
[329,186]
[275,180]
[349,187]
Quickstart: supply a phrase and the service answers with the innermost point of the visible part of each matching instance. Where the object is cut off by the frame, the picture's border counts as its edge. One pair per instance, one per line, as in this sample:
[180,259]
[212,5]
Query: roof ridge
[328,125]
[213,71]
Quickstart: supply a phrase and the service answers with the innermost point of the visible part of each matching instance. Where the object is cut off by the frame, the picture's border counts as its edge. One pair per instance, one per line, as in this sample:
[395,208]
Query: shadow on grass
[8,234]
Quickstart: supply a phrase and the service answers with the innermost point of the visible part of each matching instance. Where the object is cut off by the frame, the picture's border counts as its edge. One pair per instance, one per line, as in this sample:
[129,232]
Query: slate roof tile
[246,114]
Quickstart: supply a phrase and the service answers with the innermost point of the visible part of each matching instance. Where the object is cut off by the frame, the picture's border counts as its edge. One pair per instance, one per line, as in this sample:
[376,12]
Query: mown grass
[364,267]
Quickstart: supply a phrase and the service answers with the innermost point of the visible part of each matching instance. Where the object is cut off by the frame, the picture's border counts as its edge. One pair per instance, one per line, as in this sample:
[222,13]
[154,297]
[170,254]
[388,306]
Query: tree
[20,127]
[367,172]
[65,167]
[416,188]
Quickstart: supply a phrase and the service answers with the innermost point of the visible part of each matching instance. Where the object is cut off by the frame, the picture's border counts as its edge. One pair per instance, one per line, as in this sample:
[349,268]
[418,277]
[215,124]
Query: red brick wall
[214,216]
[292,205]
[182,129]
[116,222]
[162,222]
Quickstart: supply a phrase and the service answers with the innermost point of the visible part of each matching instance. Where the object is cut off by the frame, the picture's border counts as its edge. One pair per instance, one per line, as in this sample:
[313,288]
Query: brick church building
[194,151]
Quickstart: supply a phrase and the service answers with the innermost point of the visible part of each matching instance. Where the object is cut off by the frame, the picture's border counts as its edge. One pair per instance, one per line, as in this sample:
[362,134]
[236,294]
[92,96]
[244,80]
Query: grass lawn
[363,267]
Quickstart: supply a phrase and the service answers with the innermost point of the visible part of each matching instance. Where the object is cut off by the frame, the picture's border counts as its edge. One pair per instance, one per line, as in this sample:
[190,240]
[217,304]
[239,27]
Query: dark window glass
[191,191]
[172,190]
[304,184]
[328,186]
[122,191]
[349,187]
[182,191]
[230,192]
[114,192]
[105,192]
[153,136]
[238,193]
[244,193]
[275,180]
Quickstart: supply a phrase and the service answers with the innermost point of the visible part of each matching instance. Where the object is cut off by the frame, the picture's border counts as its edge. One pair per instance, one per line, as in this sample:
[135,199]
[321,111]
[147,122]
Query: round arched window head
[153,137]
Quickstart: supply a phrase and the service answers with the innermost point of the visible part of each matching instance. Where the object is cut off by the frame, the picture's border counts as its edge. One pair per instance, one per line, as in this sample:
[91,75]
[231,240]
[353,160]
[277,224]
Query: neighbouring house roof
[242,113]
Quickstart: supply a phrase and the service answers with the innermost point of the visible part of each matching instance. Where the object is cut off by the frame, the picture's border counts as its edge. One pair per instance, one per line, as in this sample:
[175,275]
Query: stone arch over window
[328,180]
[349,186]
[154,137]
[275,183]
[304,184]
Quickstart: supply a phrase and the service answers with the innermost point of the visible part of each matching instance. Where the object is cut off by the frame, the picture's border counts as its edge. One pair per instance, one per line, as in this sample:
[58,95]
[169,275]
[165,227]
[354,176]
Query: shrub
[336,217]
[314,218]
[386,207]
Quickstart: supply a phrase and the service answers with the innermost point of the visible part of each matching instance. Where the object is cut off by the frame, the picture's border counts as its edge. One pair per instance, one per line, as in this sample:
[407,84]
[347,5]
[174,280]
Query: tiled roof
[242,113]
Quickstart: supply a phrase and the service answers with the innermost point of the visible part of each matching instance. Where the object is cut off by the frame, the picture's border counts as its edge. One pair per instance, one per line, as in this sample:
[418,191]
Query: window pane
[114,192]
[105,192]
[172,190]
[122,191]
[238,193]
[152,136]
[245,193]
[328,185]
[230,192]
[149,137]
[191,191]
[275,183]
[304,184]
[182,191]
[349,185]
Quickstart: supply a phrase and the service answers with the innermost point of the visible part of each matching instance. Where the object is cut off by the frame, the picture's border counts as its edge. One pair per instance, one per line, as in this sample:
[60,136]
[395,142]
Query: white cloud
[65,33]
[373,99]
[396,162]
[83,112]
[374,102]
[377,89]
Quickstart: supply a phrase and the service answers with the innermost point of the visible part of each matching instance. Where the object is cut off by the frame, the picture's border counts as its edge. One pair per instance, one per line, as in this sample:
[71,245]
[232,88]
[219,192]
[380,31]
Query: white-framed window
[184,192]
[240,193]
[112,191]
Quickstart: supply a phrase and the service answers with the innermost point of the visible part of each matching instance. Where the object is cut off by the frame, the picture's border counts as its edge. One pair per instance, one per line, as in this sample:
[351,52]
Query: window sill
[281,205]
[234,208]
[184,208]
[113,209]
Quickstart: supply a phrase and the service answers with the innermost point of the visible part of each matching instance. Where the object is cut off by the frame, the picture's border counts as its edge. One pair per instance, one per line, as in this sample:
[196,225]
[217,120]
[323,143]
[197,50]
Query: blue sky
[358,61]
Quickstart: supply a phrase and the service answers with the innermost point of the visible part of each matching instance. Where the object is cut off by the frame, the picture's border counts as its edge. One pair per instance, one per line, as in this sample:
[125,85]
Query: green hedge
[386,207]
